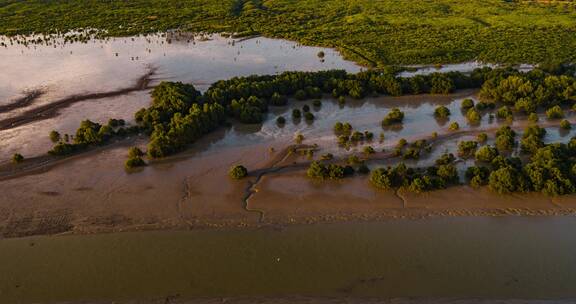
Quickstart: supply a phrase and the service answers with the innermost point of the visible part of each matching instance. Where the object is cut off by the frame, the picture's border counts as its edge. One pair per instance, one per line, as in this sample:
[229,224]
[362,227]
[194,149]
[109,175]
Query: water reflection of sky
[366,115]
[108,64]
[105,65]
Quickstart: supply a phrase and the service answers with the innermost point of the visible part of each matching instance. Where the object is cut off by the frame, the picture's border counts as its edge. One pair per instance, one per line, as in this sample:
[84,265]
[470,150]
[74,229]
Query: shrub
[441,112]
[64,149]
[478,176]
[309,116]
[533,117]
[506,131]
[280,120]
[368,150]
[483,105]
[445,159]
[486,154]
[354,160]
[306,108]
[565,124]
[381,178]
[505,143]
[113,123]
[17,158]
[342,128]
[343,139]
[466,149]
[555,112]
[401,143]
[301,95]
[411,153]
[482,137]
[454,126]
[357,136]
[298,138]
[54,136]
[320,171]
[505,138]
[504,113]
[525,105]
[368,135]
[467,104]
[393,117]
[134,162]
[278,100]
[317,103]
[473,116]
[448,173]
[134,152]
[503,180]
[238,172]
[296,114]
[310,153]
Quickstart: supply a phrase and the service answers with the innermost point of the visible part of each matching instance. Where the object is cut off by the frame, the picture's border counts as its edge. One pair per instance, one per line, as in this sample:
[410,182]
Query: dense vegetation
[417,179]
[370,32]
[549,169]
[134,158]
[89,134]
[179,114]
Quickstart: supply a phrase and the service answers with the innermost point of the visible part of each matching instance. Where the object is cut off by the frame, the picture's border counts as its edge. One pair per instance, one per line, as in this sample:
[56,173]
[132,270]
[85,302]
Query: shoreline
[279,223]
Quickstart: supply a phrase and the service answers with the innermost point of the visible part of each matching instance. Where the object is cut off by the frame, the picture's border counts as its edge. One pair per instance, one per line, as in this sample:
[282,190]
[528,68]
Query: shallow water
[452,257]
[64,70]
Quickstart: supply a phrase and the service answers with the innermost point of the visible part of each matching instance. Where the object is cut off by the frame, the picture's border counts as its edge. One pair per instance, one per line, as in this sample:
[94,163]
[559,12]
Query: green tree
[486,154]
[442,112]
[54,136]
[238,172]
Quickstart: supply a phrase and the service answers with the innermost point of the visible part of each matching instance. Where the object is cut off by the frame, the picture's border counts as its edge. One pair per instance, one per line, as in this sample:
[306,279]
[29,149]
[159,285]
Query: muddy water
[63,70]
[460,257]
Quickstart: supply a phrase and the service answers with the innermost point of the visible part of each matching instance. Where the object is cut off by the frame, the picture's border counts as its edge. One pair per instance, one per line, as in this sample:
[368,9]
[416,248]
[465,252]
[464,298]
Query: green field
[373,32]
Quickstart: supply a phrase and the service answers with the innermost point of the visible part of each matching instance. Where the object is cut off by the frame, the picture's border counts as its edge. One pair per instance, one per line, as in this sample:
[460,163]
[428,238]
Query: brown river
[493,258]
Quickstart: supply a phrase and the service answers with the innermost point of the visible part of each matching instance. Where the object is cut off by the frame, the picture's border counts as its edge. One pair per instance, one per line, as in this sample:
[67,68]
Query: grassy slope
[368,31]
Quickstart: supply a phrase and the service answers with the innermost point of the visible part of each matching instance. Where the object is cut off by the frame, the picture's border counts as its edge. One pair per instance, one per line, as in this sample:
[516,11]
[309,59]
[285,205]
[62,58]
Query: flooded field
[480,258]
[60,71]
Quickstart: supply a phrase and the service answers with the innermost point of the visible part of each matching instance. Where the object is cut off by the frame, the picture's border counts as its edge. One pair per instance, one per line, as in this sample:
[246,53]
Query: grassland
[368,31]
